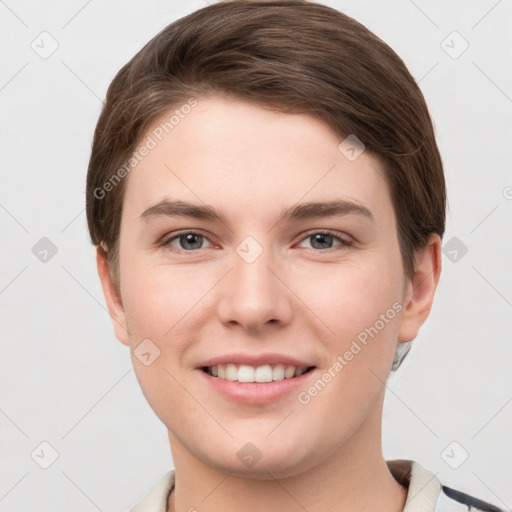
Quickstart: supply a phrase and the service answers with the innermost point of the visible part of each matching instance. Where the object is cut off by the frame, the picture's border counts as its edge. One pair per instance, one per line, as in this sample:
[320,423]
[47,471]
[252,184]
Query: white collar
[422,495]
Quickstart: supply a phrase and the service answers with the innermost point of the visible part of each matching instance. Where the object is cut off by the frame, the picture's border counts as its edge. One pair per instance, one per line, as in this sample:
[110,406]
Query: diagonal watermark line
[280,423]
[417,286]
[428,72]
[72,220]
[3,412]
[92,296]
[485,15]
[13,279]
[492,81]
[198,301]
[200,404]
[14,76]
[493,287]
[286,491]
[169,169]
[332,332]
[81,491]
[387,386]
[71,71]
[485,218]
[492,419]
[410,498]
[14,485]
[14,218]
[504,503]
[217,486]
[118,381]
[76,14]
[13,13]
[307,192]
[424,14]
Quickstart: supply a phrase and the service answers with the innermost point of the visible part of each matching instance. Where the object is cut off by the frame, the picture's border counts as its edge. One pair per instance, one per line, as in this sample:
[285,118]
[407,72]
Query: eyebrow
[301,211]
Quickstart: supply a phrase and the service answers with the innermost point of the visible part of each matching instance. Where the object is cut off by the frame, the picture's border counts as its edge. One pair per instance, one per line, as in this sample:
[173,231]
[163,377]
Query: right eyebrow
[180,208]
[301,211]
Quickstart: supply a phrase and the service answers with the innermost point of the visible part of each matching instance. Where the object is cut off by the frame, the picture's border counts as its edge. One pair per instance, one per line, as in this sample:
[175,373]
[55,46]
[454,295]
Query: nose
[254,295]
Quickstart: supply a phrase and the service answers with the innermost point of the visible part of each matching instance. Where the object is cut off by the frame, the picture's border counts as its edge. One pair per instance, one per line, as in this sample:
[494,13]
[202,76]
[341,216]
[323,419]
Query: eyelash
[166,242]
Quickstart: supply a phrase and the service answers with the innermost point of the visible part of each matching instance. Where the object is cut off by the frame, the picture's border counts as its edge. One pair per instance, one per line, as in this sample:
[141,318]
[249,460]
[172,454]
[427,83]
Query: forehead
[228,152]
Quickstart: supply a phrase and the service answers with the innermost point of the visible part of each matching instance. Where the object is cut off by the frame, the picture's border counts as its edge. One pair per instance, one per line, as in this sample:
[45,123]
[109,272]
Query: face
[269,281]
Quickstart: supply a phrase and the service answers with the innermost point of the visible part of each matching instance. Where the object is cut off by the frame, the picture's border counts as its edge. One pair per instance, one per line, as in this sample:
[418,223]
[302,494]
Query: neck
[353,477]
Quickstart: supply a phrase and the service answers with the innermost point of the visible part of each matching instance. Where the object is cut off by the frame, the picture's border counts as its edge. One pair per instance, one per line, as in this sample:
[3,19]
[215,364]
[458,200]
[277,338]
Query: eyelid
[335,234]
[330,232]
[166,239]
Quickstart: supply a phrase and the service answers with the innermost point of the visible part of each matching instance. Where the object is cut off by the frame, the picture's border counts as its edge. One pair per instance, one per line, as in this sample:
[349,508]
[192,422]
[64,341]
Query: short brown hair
[291,55]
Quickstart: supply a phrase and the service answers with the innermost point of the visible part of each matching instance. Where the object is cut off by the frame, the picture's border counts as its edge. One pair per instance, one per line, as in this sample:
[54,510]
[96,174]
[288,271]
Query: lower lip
[255,392]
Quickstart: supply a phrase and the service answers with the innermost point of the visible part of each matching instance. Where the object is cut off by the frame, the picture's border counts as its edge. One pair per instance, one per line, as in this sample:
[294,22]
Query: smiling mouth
[264,373]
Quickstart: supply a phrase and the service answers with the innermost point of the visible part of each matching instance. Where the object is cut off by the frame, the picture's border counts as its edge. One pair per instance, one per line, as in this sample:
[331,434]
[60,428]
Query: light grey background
[67,381]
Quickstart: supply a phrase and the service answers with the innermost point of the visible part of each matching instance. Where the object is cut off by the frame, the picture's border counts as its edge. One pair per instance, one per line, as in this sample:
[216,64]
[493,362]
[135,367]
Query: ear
[420,289]
[114,303]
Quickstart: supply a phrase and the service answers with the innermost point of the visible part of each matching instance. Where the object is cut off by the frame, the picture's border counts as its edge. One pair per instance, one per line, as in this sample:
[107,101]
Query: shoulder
[425,493]
[452,500]
[156,499]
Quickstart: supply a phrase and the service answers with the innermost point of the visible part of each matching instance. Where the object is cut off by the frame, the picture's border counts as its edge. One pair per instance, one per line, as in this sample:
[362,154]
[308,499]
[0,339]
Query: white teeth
[246,373]
[231,372]
[289,372]
[278,372]
[263,374]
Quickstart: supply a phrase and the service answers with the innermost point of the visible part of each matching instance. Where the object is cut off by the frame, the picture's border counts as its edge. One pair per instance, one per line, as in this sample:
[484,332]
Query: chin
[260,460]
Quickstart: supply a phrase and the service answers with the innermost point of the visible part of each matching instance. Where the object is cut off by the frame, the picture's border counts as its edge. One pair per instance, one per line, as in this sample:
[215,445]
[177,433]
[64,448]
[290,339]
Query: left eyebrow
[325,209]
[299,212]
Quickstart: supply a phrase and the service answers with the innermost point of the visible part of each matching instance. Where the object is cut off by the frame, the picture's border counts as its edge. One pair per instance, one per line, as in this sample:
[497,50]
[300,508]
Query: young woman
[267,200]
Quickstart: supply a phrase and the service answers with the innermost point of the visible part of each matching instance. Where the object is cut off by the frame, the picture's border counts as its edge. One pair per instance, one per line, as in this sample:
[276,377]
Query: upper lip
[256,360]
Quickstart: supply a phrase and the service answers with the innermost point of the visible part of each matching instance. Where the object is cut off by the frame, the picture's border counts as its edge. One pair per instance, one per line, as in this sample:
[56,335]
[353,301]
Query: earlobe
[421,288]
[112,298]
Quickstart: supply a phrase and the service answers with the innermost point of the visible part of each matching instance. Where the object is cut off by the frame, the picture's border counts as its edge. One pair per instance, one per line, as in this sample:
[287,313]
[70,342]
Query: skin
[299,297]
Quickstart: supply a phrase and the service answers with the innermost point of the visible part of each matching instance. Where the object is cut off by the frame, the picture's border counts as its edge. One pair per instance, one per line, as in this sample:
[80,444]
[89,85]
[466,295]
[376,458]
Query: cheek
[354,297]
[164,315]
[362,306]
[155,295]
[158,303]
